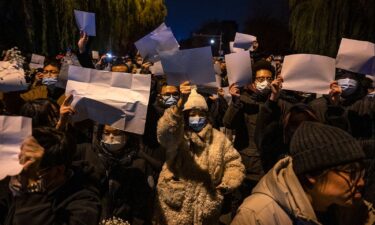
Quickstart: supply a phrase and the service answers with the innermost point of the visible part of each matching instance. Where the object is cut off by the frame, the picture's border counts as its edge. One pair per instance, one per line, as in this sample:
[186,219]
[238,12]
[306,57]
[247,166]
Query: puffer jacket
[200,168]
[279,199]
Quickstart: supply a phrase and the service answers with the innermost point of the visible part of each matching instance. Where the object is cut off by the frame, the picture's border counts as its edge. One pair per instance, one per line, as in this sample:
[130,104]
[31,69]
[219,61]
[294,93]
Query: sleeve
[85,60]
[268,113]
[234,170]
[232,116]
[245,216]
[84,210]
[170,130]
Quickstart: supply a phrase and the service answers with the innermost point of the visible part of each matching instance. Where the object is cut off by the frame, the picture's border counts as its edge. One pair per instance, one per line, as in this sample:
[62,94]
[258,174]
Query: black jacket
[75,202]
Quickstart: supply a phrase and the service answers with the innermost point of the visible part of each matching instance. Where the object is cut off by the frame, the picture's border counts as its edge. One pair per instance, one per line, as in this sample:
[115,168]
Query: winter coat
[199,168]
[75,202]
[241,117]
[279,199]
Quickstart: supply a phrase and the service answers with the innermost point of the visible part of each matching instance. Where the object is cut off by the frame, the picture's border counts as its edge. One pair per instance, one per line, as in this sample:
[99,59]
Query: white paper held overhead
[112,98]
[13,130]
[194,65]
[308,73]
[86,22]
[239,68]
[356,56]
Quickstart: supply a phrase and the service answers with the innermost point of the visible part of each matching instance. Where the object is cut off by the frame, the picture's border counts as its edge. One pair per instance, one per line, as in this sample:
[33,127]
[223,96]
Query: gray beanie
[316,146]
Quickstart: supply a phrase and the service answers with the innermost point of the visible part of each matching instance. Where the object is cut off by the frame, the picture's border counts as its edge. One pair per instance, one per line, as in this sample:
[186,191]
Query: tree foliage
[317,26]
[48,26]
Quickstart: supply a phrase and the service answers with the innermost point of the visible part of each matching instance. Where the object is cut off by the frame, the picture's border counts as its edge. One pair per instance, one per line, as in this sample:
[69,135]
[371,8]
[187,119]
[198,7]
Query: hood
[282,185]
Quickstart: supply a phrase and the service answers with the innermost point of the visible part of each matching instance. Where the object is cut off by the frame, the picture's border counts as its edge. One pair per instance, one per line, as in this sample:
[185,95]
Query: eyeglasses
[50,71]
[261,79]
[354,175]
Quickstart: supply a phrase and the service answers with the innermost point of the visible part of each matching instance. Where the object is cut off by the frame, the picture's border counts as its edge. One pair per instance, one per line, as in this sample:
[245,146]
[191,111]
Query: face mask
[49,81]
[262,86]
[197,123]
[371,95]
[348,86]
[170,100]
[113,143]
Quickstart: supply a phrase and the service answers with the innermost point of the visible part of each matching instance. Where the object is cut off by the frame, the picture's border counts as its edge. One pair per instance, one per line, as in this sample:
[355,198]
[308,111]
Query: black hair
[59,149]
[43,112]
[52,62]
[263,65]
[361,90]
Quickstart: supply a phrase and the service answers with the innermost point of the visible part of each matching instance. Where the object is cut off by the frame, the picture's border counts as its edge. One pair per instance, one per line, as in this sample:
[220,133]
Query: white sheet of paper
[243,41]
[308,73]
[38,59]
[194,65]
[116,99]
[86,22]
[161,39]
[356,56]
[157,69]
[239,68]
[233,49]
[13,130]
[11,77]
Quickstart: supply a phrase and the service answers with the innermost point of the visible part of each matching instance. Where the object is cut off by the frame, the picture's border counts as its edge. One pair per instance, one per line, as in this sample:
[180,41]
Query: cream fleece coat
[199,167]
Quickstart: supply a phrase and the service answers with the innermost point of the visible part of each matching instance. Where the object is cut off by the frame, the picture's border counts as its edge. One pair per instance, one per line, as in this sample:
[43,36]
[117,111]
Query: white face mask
[348,86]
[262,86]
[113,143]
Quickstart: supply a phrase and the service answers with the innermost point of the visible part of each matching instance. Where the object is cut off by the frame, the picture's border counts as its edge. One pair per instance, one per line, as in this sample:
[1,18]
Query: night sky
[186,16]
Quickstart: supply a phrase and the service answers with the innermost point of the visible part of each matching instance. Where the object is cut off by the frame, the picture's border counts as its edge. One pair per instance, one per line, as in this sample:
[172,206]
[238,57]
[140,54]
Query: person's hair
[43,112]
[262,65]
[58,147]
[320,175]
[297,114]
[52,62]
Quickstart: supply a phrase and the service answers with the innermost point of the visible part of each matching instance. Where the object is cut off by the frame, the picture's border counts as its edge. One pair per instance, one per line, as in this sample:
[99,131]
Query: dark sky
[185,16]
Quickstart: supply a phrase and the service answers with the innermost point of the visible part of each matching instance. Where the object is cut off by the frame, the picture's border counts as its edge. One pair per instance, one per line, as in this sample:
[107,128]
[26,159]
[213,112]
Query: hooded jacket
[280,199]
[200,167]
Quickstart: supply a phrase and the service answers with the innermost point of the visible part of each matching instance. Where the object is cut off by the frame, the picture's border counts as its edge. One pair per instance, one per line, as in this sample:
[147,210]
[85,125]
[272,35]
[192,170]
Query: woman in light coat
[201,164]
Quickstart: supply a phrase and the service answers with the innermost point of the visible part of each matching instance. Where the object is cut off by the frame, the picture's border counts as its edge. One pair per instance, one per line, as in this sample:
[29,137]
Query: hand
[31,154]
[335,92]
[276,86]
[66,111]
[234,90]
[82,42]
[220,92]
[146,65]
[185,90]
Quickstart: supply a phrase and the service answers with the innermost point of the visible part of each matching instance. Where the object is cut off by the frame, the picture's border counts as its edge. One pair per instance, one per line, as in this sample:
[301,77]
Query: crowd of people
[264,155]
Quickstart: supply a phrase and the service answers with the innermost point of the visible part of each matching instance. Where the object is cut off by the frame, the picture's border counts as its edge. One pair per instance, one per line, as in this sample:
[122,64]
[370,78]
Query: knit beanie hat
[195,101]
[316,146]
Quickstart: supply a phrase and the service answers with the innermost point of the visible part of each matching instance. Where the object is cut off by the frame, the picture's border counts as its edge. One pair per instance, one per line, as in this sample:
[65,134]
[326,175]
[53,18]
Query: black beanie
[316,146]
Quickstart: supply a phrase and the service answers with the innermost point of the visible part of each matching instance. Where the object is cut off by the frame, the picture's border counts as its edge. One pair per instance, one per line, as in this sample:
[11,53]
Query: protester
[50,190]
[201,164]
[241,117]
[320,183]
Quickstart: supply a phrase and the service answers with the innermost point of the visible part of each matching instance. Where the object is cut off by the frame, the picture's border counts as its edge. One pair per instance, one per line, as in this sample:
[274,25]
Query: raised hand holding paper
[13,130]
[356,56]
[161,39]
[239,68]
[116,99]
[308,73]
[194,65]
[86,22]
[243,41]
